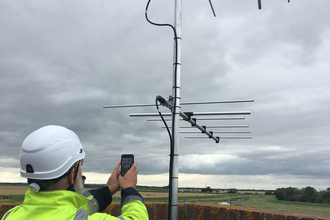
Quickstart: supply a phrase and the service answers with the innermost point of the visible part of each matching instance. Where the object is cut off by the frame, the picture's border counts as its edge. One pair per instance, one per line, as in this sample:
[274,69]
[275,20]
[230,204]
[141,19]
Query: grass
[299,207]
[259,201]
[269,202]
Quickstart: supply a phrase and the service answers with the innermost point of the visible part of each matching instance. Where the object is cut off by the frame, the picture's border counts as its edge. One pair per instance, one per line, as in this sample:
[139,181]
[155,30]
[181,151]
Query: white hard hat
[49,152]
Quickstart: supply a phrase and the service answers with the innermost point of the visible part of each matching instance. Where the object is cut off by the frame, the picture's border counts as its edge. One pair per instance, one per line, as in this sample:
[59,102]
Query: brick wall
[198,211]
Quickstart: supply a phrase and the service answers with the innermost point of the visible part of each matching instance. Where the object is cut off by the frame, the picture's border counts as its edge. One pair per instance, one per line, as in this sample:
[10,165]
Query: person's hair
[46,183]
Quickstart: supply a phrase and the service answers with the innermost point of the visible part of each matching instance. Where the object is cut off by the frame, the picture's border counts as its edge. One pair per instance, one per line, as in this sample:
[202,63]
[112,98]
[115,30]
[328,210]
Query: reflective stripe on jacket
[68,205]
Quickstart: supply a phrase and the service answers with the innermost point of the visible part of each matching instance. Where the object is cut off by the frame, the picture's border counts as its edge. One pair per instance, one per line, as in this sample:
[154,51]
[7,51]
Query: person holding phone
[51,159]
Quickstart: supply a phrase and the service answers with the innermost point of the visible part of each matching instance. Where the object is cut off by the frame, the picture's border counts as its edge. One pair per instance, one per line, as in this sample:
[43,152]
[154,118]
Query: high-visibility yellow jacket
[68,205]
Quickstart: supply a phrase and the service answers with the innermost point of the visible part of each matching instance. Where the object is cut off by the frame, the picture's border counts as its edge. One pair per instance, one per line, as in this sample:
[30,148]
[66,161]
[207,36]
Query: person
[51,159]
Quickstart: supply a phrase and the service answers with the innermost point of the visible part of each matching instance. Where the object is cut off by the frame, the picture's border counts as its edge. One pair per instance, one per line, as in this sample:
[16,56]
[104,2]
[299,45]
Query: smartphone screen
[127,161]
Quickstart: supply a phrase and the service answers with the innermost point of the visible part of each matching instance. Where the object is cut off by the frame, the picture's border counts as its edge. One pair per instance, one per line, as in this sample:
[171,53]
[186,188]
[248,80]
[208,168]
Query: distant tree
[280,193]
[288,194]
[207,189]
[309,194]
[324,196]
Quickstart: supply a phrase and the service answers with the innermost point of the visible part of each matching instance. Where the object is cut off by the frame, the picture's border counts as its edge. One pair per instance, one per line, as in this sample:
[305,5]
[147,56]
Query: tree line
[307,194]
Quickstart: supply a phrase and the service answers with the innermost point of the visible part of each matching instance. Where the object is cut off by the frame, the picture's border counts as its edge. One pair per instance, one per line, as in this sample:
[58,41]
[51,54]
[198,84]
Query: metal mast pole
[174,168]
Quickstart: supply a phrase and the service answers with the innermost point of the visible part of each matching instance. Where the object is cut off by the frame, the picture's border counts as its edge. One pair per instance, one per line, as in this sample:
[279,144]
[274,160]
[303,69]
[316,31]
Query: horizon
[102,179]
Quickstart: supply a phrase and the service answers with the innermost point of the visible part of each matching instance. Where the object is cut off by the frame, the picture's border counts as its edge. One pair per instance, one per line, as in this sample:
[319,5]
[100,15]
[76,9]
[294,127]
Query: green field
[259,201]
[14,198]
[269,202]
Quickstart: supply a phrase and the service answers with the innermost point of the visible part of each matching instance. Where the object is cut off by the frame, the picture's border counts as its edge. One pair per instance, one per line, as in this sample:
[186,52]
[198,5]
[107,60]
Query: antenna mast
[174,156]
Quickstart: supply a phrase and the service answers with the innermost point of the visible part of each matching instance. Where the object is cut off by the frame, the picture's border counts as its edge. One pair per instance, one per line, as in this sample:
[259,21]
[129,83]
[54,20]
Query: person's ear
[71,176]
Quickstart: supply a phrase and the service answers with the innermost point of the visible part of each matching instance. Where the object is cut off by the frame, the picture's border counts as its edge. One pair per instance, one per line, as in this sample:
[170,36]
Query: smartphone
[127,161]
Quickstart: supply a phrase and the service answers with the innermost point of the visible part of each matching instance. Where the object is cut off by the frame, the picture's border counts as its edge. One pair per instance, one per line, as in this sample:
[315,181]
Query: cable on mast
[172,150]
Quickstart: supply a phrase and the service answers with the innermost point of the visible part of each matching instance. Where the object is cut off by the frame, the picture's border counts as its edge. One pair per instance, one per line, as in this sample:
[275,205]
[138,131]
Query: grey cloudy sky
[62,61]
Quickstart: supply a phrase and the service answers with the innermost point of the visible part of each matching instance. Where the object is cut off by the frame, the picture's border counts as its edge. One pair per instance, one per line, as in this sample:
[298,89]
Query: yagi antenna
[204,119]
[220,126]
[174,105]
[184,103]
[223,137]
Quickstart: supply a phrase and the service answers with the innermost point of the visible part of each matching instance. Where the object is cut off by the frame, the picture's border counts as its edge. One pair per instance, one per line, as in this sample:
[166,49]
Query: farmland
[255,200]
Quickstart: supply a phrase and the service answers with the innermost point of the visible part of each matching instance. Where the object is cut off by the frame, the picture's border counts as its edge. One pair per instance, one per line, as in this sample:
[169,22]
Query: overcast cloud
[62,61]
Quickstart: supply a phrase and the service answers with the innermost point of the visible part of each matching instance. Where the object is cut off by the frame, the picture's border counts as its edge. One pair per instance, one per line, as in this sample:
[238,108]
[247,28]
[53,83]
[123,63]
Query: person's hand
[130,178]
[113,183]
